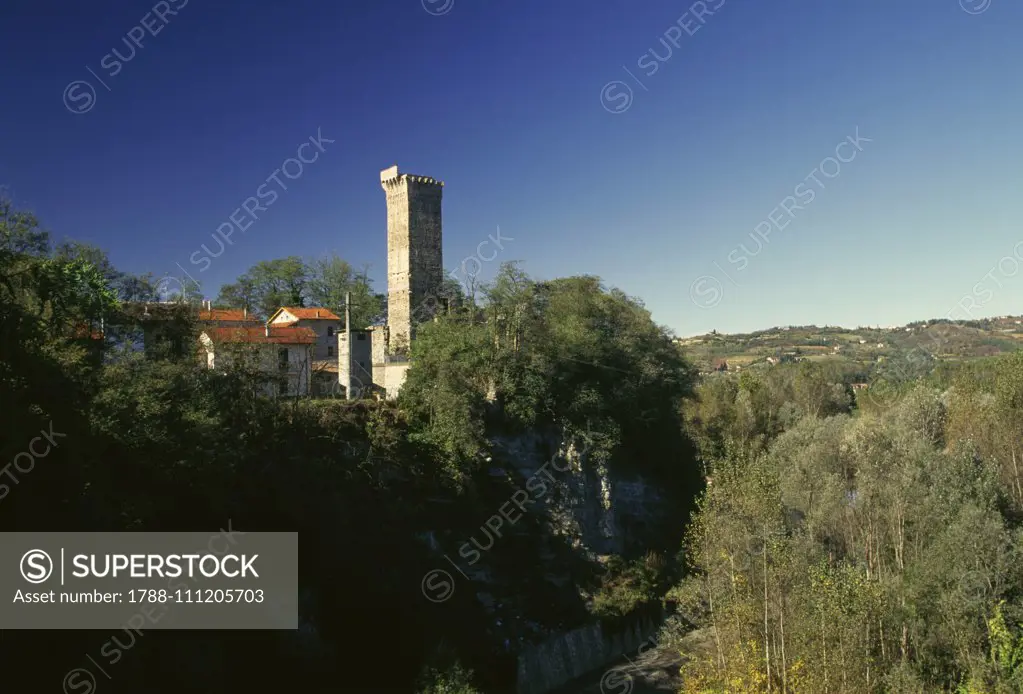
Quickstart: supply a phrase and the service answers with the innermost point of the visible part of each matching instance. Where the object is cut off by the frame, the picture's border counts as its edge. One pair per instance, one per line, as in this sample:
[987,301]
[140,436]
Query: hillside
[862,347]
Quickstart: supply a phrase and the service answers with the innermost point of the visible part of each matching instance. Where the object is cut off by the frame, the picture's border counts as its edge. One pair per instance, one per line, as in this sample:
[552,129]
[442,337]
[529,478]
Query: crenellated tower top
[392,177]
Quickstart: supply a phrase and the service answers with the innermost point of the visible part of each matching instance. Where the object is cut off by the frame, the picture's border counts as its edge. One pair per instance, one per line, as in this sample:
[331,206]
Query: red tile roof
[258,335]
[310,313]
[226,314]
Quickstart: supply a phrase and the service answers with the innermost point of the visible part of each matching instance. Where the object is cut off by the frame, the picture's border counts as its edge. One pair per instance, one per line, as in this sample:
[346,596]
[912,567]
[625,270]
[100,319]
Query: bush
[453,680]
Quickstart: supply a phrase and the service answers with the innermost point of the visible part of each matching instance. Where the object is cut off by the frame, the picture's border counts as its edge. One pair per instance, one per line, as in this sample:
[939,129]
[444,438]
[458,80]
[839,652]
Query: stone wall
[563,658]
[362,360]
[394,378]
[426,271]
[414,246]
[378,343]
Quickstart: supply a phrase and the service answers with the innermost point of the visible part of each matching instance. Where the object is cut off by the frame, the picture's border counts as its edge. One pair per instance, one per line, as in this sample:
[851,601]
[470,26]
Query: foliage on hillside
[737,416]
[852,551]
[894,353]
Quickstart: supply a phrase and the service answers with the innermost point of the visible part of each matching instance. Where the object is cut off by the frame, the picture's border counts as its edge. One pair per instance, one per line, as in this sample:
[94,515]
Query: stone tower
[414,264]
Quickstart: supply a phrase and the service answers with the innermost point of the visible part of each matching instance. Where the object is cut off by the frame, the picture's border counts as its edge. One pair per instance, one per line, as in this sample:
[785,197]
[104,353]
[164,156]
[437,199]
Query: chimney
[317,313]
[245,312]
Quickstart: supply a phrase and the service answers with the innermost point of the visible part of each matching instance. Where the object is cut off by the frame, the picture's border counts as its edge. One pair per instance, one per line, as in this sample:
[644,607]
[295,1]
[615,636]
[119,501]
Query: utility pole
[348,344]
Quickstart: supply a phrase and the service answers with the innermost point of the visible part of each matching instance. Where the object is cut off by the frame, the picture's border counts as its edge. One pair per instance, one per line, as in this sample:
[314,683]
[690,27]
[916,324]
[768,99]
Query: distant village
[716,352]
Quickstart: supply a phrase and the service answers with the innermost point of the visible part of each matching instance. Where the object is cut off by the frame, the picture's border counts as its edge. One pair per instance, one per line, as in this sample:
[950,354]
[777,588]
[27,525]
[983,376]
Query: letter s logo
[79,97]
[79,679]
[36,566]
[616,97]
[706,291]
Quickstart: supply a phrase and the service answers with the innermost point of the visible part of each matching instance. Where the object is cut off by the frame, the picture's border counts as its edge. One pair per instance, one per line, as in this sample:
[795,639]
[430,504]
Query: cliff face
[587,508]
[599,510]
[549,514]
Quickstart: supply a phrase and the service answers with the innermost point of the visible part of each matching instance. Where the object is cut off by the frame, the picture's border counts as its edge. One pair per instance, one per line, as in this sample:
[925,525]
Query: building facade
[284,354]
[323,322]
[325,325]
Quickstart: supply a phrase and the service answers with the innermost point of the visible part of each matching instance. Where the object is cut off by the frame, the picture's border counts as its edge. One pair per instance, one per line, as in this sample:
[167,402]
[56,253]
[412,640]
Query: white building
[373,368]
[321,321]
[326,325]
[284,354]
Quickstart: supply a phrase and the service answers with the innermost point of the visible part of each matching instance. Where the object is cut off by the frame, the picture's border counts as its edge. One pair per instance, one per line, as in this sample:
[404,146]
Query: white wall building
[284,354]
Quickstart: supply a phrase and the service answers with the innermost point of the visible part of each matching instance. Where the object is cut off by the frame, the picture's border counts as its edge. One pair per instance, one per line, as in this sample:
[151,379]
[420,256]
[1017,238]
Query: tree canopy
[848,550]
[322,282]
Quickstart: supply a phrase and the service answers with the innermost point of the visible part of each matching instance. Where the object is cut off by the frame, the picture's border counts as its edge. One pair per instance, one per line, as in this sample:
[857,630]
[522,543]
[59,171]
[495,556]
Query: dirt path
[653,672]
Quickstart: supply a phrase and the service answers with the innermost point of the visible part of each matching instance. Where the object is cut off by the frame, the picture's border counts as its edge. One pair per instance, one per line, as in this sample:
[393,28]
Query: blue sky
[520,108]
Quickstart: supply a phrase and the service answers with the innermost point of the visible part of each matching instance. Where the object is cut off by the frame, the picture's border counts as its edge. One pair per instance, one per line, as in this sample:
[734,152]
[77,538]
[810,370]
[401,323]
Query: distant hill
[866,346]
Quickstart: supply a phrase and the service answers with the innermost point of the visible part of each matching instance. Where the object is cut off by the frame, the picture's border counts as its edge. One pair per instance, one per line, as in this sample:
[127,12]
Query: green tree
[126,286]
[566,355]
[268,285]
[330,278]
[20,232]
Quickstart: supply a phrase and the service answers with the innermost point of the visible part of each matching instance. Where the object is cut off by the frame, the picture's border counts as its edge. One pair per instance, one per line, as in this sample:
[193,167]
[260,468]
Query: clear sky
[643,142]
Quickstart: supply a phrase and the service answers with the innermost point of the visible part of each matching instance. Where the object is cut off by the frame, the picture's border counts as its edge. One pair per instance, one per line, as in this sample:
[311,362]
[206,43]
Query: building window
[282,358]
[330,331]
[362,336]
[330,351]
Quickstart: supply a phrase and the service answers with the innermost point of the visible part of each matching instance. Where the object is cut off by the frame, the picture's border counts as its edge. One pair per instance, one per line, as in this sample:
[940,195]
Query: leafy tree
[20,233]
[126,286]
[239,294]
[561,356]
[267,286]
[330,278]
[445,391]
